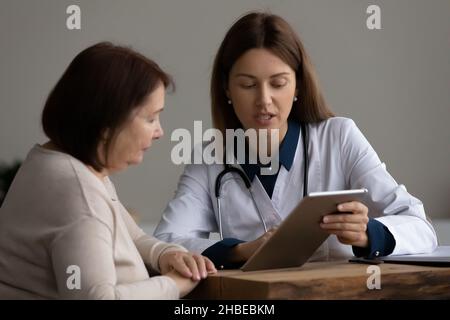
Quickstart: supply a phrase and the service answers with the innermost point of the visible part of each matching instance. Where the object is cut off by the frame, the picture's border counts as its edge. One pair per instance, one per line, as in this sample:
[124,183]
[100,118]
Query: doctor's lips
[264,118]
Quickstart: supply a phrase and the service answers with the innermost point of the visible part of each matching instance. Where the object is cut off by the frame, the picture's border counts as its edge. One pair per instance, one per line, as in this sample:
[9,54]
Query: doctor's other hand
[349,224]
[243,251]
[187,264]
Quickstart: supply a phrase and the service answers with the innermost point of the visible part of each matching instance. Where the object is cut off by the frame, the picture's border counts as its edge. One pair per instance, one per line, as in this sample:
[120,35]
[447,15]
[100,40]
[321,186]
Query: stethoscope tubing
[230,169]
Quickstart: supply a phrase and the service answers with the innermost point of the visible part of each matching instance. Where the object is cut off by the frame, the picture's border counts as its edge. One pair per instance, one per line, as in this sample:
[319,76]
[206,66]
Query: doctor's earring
[229,101]
[295,98]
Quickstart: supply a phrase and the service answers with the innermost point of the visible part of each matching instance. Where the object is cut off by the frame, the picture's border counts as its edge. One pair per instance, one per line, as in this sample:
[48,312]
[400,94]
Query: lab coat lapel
[315,183]
[264,204]
[288,191]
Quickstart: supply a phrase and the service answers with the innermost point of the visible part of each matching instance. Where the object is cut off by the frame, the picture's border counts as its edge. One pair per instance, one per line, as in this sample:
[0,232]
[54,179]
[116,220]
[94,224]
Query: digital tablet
[300,235]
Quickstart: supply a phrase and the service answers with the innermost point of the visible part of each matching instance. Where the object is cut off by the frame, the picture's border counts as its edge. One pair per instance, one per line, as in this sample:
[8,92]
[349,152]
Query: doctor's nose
[264,97]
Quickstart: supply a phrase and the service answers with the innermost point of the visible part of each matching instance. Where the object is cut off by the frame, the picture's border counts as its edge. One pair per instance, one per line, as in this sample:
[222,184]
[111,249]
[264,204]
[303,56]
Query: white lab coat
[340,158]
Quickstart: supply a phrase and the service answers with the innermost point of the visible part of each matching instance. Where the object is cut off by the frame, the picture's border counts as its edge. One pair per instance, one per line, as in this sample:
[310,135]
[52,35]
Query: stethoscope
[230,169]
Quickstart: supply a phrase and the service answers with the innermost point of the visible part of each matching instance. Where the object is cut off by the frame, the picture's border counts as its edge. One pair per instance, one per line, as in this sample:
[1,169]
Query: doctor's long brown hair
[268,31]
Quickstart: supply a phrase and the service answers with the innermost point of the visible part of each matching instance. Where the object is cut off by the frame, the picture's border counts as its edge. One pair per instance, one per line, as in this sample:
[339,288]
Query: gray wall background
[394,82]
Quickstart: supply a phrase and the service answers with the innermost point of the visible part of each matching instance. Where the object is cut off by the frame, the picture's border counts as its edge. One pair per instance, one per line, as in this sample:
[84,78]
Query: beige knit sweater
[65,235]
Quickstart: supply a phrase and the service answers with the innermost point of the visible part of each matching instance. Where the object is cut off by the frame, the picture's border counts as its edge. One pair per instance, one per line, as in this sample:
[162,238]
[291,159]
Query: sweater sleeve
[83,263]
[150,248]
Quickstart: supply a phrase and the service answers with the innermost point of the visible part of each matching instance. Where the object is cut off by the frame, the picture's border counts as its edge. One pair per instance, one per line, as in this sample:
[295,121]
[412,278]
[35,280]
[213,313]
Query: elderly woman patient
[63,232]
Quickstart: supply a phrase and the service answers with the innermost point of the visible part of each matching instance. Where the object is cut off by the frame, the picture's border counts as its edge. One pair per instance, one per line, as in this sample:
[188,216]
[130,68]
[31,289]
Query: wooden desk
[328,280]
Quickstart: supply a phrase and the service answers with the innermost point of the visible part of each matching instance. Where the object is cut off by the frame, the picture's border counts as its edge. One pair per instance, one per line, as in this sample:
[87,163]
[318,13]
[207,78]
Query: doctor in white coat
[263,79]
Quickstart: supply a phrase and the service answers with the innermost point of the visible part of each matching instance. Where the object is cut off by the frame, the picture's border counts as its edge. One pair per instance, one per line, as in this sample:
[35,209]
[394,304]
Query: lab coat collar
[287,151]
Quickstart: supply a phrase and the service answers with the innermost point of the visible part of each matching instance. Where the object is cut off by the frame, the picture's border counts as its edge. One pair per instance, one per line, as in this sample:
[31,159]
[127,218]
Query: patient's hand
[185,285]
[187,264]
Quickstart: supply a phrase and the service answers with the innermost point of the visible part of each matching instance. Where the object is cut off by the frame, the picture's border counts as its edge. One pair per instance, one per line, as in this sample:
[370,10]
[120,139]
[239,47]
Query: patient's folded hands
[188,264]
[185,268]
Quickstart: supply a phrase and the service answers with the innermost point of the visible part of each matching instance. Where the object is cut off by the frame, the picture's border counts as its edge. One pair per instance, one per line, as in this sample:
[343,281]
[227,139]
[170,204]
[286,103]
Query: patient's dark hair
[96,95]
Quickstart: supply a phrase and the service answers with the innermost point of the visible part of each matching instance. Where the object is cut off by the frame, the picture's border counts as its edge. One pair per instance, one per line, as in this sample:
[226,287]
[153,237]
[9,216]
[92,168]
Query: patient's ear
[105,136]
[102,146]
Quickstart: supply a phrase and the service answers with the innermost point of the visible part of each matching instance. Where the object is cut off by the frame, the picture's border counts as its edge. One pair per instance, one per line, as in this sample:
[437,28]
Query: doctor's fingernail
[325,219]
[340,207]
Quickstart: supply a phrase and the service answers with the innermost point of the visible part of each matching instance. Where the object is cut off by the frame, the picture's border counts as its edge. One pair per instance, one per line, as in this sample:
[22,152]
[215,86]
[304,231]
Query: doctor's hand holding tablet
[348,228]
[264,81]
